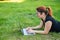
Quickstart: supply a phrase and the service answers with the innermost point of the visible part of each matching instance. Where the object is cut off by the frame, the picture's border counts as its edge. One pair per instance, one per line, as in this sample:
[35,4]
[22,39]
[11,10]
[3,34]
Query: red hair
[45,9]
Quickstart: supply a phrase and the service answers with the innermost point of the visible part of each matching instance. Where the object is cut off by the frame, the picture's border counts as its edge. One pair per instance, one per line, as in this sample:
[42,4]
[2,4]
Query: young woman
[50,24]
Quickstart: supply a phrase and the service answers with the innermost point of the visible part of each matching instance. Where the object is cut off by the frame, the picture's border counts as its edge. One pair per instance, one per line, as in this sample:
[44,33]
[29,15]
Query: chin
[39,17]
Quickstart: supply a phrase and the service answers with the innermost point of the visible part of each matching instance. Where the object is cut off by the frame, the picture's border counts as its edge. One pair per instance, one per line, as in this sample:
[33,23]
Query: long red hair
[45,9]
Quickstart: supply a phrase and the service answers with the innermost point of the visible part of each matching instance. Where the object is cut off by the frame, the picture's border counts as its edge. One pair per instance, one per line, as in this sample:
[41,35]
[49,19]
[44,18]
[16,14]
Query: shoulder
[48,22]
[50,19]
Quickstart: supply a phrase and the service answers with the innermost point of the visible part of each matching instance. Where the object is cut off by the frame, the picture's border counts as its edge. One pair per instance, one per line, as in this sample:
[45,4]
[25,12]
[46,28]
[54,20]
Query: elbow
[46,33]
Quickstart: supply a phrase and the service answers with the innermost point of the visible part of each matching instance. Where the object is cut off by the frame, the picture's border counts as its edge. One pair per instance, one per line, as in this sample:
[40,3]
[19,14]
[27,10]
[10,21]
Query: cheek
[38,15]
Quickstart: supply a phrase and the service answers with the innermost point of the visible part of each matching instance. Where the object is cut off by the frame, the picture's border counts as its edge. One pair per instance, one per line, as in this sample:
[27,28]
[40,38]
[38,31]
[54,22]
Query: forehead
[39,12]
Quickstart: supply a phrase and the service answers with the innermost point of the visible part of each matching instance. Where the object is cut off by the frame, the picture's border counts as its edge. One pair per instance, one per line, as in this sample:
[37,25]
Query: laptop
[24,31]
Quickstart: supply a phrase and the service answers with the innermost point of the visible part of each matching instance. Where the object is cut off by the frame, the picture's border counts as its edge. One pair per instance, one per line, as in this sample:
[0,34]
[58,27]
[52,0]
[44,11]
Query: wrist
[34,31]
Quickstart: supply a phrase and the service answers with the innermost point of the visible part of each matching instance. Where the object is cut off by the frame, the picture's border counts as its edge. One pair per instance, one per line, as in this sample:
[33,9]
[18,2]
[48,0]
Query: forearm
[40,32]
[37,27]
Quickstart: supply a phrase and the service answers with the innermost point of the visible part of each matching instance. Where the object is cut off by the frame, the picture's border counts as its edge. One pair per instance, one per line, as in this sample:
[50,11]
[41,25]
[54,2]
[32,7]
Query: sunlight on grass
[13,1]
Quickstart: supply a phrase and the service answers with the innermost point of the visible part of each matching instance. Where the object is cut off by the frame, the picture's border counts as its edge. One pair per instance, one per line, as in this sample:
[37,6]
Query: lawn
[15,16]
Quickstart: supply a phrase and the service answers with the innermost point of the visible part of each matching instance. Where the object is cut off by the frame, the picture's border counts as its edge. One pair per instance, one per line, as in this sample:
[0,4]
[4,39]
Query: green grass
[15,16]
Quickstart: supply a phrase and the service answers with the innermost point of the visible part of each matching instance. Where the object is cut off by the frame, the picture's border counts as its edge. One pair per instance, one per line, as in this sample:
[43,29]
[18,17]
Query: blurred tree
[33,0]
[1,0]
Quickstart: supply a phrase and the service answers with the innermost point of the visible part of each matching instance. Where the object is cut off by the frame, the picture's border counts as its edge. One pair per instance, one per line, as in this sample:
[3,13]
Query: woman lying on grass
[50,24]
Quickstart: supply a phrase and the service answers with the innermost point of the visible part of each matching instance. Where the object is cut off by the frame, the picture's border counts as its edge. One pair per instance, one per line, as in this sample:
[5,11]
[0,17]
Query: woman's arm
[46,29]
[39,26]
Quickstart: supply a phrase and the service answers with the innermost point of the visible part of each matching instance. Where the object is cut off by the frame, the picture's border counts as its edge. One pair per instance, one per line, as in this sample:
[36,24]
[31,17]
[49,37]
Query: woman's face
[40,15]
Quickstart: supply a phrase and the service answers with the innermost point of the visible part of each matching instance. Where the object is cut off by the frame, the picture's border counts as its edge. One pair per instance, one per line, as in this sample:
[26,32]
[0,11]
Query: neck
[44,18]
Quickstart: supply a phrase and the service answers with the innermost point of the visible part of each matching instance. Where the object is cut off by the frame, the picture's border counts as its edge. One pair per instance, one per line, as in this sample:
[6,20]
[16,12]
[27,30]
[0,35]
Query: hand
[28,28]
[30,31]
